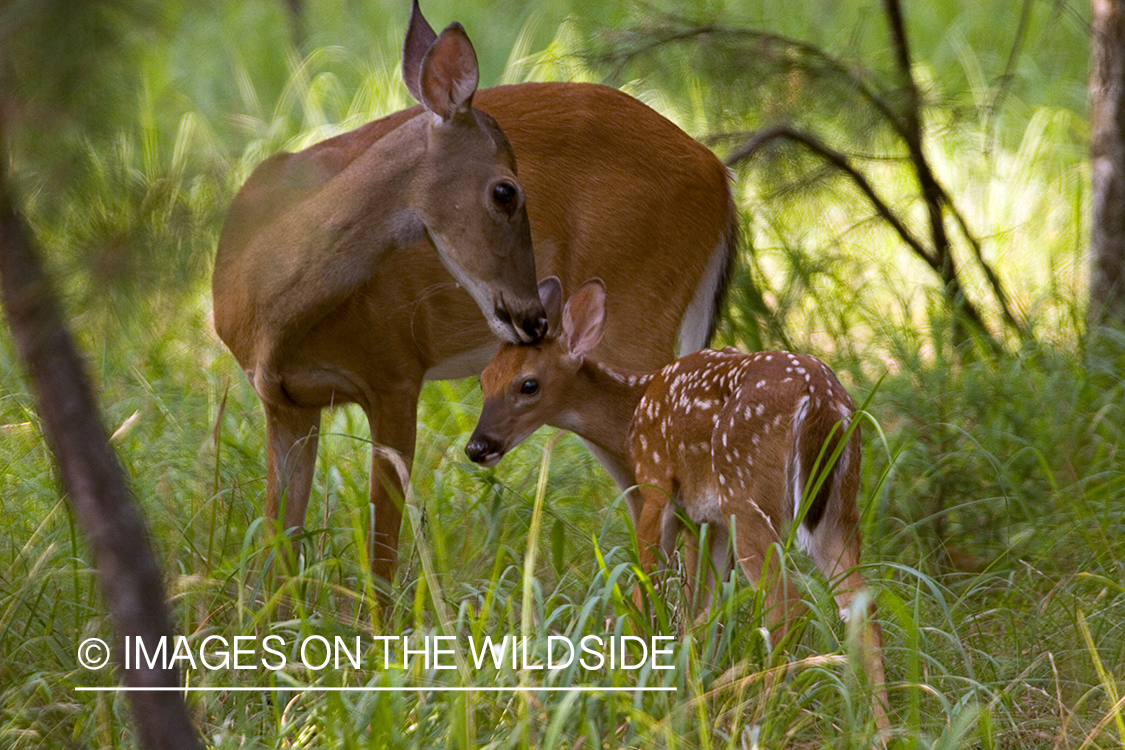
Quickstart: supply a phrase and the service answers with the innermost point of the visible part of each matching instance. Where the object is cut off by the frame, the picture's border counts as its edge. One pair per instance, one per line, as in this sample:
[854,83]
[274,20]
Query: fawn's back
[723,429]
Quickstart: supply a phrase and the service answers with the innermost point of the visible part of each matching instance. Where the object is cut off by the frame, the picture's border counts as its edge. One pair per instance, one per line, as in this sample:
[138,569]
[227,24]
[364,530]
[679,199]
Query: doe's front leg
[392,418]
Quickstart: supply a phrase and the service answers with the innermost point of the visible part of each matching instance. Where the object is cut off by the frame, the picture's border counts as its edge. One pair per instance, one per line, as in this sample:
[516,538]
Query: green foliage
[992,489]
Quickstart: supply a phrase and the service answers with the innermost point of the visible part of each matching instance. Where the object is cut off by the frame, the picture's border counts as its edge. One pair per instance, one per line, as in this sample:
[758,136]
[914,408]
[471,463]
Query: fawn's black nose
[484,450]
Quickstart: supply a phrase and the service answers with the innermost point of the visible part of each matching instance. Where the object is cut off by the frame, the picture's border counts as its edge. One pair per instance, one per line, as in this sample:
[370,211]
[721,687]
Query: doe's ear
[583,321]
[551,295]
[419,38]
[449,75]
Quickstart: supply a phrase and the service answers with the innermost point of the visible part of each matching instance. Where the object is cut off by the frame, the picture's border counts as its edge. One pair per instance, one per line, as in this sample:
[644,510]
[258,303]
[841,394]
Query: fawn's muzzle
[484,450]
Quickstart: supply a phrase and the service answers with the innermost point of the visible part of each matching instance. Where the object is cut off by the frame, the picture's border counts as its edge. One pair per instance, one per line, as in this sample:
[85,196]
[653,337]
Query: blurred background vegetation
[154,113]
[995,475]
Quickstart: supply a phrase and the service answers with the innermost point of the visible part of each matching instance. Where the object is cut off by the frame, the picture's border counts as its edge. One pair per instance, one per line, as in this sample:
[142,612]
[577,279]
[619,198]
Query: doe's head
[464,191]
[528,386]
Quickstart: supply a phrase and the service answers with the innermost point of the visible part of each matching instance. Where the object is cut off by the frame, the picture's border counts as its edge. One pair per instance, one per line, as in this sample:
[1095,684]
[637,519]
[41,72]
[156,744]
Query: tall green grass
[992,494]
[1002,630]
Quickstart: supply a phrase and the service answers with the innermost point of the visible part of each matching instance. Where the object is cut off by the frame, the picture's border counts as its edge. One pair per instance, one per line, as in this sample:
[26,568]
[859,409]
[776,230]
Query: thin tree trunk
[93,477]
[1107,162]
[932,193]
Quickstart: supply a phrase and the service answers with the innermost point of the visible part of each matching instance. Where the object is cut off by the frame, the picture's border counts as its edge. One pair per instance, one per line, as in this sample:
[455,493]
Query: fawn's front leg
[655,532]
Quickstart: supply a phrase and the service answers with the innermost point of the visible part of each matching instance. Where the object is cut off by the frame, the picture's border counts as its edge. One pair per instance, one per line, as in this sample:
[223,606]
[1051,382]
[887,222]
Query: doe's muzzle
[528,325]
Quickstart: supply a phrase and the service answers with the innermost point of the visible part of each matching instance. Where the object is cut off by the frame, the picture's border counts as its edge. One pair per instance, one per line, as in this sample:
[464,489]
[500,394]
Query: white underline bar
[411,689]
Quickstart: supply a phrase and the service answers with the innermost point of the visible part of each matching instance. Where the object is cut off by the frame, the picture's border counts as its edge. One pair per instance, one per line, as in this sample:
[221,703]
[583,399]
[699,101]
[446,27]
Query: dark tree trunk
[1107,146]
[296,10]
[93,477]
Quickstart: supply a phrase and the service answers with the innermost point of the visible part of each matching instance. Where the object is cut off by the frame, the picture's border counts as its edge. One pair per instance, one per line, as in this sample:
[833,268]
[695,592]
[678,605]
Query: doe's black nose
[528,324]
[535,328]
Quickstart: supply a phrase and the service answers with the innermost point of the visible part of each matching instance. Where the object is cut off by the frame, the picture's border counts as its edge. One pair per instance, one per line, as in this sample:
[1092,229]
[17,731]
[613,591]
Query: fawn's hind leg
[836,553]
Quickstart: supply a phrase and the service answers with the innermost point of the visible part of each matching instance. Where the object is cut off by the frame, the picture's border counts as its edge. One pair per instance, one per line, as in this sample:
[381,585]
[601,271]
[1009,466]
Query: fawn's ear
[583,320]
[551,295]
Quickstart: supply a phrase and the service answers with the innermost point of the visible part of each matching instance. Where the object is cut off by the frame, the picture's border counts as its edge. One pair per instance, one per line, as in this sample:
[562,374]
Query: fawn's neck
[604,402]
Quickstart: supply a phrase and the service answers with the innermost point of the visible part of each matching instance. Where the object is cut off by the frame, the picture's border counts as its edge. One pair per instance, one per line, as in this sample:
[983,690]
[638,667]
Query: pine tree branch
[841,162]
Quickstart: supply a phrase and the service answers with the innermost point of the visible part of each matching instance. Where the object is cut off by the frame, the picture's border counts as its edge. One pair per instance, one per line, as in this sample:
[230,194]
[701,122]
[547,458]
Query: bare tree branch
[841,162]
[933,193]
[297,22]
[911,116]
[856,78]
[1018,325]
[1005,81]
[901,47]
[904,115]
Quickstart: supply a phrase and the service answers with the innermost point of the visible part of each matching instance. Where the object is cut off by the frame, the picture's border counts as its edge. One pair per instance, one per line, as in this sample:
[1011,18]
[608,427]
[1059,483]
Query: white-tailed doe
[722,435]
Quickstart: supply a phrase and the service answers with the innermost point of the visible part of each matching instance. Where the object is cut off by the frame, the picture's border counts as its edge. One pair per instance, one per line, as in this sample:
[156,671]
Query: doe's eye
[529,386]
[504,194]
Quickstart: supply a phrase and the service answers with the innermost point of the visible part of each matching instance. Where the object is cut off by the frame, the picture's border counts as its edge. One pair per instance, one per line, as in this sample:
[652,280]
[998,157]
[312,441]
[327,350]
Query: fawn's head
[528,386]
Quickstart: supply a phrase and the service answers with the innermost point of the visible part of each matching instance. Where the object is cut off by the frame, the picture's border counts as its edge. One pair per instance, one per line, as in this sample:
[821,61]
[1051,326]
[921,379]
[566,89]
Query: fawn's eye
[529,387]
